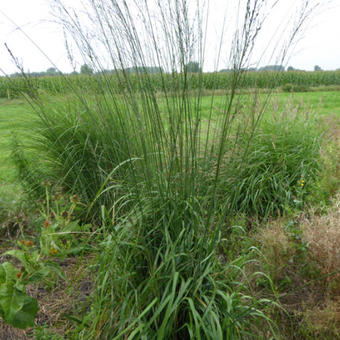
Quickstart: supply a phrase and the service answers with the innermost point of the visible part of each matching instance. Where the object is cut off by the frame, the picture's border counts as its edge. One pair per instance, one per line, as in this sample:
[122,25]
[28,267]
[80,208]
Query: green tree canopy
[51,71]
[86,69]
[193,67]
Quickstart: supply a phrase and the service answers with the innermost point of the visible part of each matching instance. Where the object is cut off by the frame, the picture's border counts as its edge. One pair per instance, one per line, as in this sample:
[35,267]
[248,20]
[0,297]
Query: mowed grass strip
[16,114]
[13,120]
[322,103]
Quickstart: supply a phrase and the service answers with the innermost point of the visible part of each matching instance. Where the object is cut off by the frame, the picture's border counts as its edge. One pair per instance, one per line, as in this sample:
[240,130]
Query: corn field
[288,81]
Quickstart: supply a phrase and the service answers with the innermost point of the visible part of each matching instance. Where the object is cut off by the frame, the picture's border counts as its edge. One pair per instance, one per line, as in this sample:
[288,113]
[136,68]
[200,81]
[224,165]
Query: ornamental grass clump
[149,165]
[279,169]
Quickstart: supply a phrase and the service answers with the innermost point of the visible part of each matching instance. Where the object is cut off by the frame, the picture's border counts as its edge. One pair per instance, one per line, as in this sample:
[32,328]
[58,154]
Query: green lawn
[13,118]
[15,115]
[323,103]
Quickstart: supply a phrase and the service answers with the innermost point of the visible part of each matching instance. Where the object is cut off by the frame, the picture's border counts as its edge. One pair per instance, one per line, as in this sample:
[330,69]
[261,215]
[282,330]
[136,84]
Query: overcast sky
[319,46]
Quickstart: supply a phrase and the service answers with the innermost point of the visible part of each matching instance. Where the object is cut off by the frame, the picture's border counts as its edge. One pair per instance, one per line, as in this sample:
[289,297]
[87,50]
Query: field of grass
[16,114]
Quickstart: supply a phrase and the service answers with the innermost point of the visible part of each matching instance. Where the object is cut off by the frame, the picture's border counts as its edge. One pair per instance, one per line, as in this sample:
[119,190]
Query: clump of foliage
[58,236]
[16,307]
[295,88]
[149,167]
[279,168]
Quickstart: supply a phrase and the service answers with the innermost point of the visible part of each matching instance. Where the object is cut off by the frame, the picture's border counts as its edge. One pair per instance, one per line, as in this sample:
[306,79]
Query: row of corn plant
[150,169]
[12,88]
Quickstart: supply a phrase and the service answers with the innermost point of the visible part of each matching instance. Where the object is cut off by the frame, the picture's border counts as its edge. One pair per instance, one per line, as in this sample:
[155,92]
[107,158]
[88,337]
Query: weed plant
[155,167]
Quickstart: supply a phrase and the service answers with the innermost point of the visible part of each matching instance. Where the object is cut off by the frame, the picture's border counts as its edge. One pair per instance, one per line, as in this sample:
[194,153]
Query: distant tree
[51,71]
[16,75]
[154,69]
[272,68]
[249,69]
[107,71]
[142,69]
[86,69]
[317,68]
[193,67]
[290,68]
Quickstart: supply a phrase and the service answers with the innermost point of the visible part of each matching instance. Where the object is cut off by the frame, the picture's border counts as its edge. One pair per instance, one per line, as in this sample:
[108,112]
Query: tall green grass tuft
[154,163]
[279,169]
[178,288]
[83,145]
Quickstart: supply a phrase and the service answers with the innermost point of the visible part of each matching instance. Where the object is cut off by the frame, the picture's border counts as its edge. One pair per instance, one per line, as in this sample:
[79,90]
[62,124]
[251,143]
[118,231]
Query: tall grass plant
[155,167]
[280,167]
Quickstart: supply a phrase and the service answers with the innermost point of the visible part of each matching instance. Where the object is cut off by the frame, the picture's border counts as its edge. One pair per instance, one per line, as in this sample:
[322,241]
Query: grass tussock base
[274,168]
[160,178]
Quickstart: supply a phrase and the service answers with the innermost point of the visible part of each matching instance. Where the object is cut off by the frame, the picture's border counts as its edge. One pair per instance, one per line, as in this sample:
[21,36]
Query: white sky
[320,45]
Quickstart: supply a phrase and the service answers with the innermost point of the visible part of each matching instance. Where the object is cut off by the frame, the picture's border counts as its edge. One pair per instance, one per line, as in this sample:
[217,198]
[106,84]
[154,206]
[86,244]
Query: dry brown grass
[312,298]
[330,155]
[322,234]
[323,322]
[276,247]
